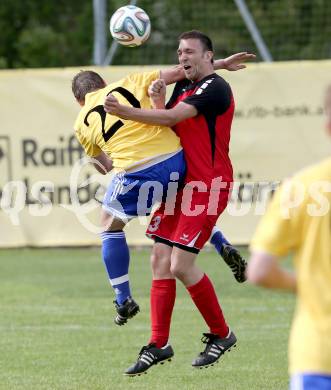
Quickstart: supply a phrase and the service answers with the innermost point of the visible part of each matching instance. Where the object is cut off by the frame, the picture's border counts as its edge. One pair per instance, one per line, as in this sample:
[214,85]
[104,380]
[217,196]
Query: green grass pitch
[57,330]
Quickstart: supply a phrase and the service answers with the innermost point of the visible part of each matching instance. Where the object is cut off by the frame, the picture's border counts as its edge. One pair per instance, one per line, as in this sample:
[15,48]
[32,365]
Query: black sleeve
[214,95]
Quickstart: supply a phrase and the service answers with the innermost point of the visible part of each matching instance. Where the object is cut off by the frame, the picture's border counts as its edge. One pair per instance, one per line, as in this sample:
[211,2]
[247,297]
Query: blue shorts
[310,382]
[132,194]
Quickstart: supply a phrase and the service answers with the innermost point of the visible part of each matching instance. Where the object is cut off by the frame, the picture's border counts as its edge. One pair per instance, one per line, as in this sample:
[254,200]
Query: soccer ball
[130,26]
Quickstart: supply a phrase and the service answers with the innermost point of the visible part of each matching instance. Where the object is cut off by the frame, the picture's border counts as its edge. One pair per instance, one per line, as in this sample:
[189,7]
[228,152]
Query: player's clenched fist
[111,105]
[157,93]
[157,88]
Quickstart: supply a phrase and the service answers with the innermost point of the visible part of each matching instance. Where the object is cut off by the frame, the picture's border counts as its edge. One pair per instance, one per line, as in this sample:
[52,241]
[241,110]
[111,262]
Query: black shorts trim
[161,240]
[186,248]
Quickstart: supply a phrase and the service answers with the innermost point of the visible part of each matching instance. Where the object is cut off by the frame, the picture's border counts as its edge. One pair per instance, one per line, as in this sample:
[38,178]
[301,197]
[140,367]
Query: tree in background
[45,33]
[37,33]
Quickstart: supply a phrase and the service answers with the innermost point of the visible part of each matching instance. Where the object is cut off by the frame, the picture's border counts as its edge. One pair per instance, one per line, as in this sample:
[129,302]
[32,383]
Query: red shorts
[187,222]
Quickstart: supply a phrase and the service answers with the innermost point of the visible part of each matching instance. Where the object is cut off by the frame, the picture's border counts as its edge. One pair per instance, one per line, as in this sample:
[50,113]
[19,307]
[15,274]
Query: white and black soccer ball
[130,26]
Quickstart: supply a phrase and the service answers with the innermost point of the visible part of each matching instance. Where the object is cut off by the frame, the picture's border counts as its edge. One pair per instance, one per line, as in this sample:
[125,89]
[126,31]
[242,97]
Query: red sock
[205,299]
[163,295]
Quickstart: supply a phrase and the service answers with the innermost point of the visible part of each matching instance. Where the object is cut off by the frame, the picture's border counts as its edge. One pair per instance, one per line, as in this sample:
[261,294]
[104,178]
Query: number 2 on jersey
[107,134]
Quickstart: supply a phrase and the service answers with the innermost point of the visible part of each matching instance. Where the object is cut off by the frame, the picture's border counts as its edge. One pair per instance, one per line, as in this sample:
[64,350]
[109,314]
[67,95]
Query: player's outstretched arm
[231,63]
[234,62]
[154,117]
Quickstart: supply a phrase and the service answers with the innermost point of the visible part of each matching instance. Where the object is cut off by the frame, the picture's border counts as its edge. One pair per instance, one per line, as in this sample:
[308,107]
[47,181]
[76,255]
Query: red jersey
[205,138]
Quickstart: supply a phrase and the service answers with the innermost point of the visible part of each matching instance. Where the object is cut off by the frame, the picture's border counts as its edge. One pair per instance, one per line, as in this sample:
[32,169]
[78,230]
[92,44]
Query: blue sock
[116,256]
[217,239]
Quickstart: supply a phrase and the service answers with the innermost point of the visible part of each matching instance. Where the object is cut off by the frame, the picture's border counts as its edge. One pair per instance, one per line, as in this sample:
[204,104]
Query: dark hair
[84,82]
[195,34]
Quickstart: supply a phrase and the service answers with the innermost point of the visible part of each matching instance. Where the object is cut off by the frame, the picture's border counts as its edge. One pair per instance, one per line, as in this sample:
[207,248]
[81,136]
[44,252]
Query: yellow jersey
[305,231]
[127,143]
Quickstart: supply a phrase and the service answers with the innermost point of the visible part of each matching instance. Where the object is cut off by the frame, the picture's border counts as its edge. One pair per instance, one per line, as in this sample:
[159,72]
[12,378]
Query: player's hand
[157,92]
[157,88]
[111,105]
[235,62]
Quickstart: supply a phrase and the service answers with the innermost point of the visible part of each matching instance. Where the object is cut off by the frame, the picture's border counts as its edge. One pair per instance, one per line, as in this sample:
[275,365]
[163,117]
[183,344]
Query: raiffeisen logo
[37,176]
[66,152]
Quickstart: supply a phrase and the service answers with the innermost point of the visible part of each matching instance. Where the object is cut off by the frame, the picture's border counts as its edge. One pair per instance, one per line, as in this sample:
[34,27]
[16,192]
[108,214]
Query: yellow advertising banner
[48,199]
